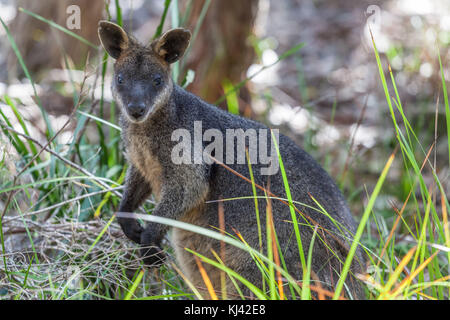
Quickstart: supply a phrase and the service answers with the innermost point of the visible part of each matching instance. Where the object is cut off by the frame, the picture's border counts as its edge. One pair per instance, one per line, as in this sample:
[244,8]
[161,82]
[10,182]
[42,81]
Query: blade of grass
[206,279]
[275,249]
[134,286]
[21,122]
[159,29]
[447,106]
[446,228]
[306,291]
[57,26]
[291,206]
[108,194]
[270,248]
[422,286]
[175,14]
[100,235]
[400,214]
[232,98]
[236,286]
[383,82]
[2,240]
[421,243]
[13,138]
[361,227]
[222,251]
[188,282]
[24,284]
[258,220]
[198,24]
[119,13]
[393,278]
[112,125]
[13,44]
[411,277]
[52,180]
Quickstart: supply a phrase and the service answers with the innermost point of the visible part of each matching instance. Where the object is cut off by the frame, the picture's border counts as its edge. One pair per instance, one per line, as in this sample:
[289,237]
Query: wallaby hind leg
[182,239]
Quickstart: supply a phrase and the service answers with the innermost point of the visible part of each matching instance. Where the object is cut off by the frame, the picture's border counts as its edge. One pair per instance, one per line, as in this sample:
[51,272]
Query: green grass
[70,192]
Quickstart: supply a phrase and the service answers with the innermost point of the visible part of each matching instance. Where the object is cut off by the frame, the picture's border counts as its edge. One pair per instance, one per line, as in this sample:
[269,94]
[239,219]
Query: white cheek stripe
[162,97]
[159,101]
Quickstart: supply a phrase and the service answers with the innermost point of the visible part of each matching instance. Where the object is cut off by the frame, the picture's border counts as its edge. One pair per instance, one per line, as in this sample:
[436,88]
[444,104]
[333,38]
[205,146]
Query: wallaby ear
[172,44]
[113,38]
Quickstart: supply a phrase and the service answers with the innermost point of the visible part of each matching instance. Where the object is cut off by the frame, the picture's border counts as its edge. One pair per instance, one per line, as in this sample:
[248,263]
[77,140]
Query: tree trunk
[42,46]
[221,49]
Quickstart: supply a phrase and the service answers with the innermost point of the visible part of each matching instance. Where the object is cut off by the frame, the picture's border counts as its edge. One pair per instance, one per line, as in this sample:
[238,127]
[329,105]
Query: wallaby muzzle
[136,110]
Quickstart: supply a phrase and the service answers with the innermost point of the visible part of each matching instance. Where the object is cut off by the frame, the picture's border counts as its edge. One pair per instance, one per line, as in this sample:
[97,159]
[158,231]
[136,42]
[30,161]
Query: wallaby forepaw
[153,256]
[133,231]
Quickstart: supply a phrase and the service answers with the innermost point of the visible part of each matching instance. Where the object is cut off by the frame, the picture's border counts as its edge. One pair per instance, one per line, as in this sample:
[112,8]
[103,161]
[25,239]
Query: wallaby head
[142,83]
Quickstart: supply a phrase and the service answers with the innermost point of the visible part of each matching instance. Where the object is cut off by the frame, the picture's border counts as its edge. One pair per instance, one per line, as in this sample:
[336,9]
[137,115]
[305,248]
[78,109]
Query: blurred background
[306,67]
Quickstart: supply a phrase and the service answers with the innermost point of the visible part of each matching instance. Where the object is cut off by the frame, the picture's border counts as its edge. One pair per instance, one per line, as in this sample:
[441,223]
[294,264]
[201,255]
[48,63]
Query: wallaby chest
[141,154]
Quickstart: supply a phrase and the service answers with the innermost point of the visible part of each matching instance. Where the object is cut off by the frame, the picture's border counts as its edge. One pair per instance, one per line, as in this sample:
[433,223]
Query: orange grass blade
[276,256]
[222,250]
[322,292]
[409,278]
[394,227]
[206,279]
[385,294]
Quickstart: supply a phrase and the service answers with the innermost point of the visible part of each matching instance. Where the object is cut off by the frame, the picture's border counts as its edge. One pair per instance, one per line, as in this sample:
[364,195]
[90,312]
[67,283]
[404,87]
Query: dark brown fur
[152,108]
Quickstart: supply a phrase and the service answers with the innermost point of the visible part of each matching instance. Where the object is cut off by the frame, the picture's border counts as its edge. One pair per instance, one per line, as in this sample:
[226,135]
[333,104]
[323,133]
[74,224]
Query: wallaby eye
[119,79]
[157,80]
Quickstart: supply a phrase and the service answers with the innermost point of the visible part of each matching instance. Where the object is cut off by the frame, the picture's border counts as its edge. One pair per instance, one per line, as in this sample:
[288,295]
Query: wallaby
[156,113]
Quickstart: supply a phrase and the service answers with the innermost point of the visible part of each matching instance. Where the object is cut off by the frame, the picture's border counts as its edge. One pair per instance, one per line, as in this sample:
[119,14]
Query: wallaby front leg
[137,189]
[176,200]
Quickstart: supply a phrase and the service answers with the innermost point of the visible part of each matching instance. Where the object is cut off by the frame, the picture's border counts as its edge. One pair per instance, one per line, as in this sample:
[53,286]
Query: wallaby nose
[136,110]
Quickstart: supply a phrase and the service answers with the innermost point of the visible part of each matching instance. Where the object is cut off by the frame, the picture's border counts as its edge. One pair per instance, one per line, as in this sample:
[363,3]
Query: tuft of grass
[447,107]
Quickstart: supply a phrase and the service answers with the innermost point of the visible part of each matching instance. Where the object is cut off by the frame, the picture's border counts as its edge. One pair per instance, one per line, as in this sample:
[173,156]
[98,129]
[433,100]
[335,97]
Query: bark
[221,49]
[42,46]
